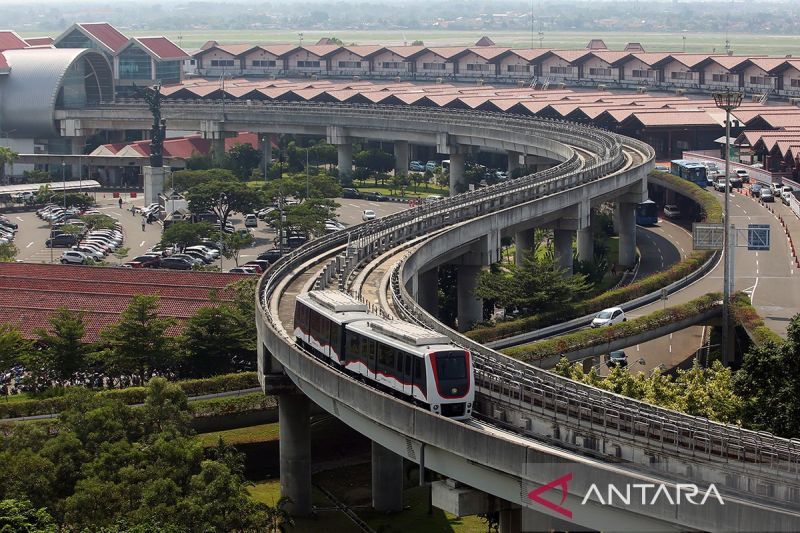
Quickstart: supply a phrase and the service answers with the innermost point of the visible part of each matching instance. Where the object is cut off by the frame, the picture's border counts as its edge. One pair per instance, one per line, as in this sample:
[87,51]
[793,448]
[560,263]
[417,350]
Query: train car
[410,361]
[319,319]
[647,213]
[690,170]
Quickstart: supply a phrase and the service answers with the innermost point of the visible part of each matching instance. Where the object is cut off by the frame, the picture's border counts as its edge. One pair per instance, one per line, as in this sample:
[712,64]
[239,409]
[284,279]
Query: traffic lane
[350,210]
[656,251]
[676,234]
[665,352]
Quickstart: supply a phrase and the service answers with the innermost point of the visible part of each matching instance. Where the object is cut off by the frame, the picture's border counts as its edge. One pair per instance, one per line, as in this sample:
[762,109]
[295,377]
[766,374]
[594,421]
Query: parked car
[255,266]
[176,263]
[250,221]
[94,253]
[368,214]
[350,192]
[270,255]
[672,211]
[766,195]
[743,174]
[264,213]
[62,241]
[213,253]
[431,165]
[416,166]
[242,270]
[147,261]
[374,196]
[617,358]
[188,257]
[608,317]
[74,257]
[264,264]
[205,258]
[5,221]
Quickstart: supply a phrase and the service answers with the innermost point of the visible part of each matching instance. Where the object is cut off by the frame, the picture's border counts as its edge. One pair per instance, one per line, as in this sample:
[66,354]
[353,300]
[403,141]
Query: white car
[250,221]
[608,317]
[211,252]
[74,257]
[368,214]
[672,211]
[743,174]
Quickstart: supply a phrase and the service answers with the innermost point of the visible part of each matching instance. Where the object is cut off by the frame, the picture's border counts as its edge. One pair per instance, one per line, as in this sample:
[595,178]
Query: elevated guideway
[527,417]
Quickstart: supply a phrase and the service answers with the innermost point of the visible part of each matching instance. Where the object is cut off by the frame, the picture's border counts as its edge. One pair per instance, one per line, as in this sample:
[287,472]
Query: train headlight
[469,405]
[454,390]
[435,407]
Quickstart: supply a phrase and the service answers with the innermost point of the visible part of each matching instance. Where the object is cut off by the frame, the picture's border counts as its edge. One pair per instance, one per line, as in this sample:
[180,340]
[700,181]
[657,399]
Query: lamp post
[64,181]
[728,100]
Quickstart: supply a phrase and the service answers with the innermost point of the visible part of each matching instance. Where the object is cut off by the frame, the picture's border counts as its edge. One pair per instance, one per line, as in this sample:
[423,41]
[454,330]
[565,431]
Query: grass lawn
[16,398]
[248,435]
[652,41]
[422,191]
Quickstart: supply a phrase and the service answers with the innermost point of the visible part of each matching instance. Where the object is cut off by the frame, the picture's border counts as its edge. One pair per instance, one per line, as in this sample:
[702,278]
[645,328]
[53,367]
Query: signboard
[707,236]
[758,236]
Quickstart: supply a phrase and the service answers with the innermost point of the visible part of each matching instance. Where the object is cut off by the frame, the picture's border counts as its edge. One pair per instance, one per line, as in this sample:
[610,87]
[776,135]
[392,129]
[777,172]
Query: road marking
[20,219]
[748,218]
[142,244]
[637,347]
[29,244]
[354,205]
[670,348]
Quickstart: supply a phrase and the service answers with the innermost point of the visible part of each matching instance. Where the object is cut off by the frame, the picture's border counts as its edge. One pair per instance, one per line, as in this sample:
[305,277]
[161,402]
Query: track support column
[523,242]
[295,451]
[562,242]
[585,244]
[456,173]
[625,222]
[345,160]
[401,153]
[387,480]
[513,161]
[470,308]
[428,291]
[510,520]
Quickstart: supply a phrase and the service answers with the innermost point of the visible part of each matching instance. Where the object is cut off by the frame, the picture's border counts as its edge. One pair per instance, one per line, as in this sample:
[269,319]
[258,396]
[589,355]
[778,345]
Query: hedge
[746,316]
[233,404]
[587,338]
[711,212]
[133,395]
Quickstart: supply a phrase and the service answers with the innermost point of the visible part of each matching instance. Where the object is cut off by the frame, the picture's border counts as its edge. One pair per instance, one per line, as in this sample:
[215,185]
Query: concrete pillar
[153,183]
[513,161]
[295,451]
[401,154]
[625,222]
[78,144]
[345,159]
[428,290]
[562,243]
[456,172]
[218,149]
[523,240]
[585,244]
[470,308]
[387,480]
[510,521]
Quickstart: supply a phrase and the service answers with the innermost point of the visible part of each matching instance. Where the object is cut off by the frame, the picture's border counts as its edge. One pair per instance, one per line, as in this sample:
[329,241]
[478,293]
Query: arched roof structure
[41,79]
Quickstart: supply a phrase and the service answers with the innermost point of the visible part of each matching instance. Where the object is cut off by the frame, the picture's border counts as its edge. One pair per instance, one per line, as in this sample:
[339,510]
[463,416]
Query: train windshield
[451,366]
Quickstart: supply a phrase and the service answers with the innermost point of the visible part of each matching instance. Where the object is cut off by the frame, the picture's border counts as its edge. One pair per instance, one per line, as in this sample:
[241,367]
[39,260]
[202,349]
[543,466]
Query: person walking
[120,203]
[144,223]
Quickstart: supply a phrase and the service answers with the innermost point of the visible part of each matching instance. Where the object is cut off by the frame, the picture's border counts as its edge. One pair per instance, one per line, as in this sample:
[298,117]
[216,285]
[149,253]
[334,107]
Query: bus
[690,170]
[647,213]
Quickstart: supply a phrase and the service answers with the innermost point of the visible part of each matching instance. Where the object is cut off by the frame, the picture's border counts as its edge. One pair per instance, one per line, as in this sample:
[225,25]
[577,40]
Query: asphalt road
[33,231]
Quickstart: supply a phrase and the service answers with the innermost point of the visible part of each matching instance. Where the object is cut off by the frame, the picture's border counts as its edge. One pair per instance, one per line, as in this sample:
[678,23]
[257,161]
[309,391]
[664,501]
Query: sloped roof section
[39,41]
[162,48]
[9,40]
[484,41]
[106,34]
[596,44]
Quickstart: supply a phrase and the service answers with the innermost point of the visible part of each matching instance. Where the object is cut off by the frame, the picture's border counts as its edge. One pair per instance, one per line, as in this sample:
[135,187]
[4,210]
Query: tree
[121,253]
[242,159]
[417,42]
[7,157]
[233,243]
[63,352]
[296,185]
[215,338]
[183,234]
[13,347]
[278,518]
[8,251]
[21,516]
[35,176]
[184,180]
[307,217]
[99,222]
[223,198]
[139,343]
[769,381]
[375,160]
[198,161]
[536,285]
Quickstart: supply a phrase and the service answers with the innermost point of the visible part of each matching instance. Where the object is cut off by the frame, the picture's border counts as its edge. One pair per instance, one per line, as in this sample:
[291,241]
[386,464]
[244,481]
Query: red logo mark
[560,482]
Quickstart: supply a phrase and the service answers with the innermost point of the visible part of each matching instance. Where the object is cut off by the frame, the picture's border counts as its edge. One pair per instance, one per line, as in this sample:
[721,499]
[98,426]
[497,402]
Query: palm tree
[278,517]
[7,157]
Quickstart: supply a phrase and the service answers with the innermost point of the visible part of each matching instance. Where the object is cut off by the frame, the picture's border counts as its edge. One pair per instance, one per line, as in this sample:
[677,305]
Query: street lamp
[728,100]
[64,181]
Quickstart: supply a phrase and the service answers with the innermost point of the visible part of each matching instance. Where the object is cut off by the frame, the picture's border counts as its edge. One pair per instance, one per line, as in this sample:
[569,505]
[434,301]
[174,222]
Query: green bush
[587,338]
[233,404]
[746,316]
[711,212]
[132,395]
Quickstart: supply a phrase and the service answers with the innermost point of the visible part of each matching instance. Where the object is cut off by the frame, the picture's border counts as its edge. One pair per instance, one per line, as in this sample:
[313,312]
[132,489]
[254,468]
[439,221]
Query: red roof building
[31,292]
[39,41]
[9,40]
[101,35]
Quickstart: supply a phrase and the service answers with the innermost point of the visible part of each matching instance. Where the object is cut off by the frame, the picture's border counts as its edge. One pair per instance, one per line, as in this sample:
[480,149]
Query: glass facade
[76,40]
[134,64]
[168,71]
[72,93]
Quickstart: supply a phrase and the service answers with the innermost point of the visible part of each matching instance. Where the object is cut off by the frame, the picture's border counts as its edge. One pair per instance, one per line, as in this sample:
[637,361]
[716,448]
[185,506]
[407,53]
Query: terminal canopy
[54,186]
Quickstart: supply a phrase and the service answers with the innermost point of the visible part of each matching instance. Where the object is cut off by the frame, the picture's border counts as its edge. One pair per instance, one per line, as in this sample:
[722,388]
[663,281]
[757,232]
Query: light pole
[264,145]
[64,181]
[728,100]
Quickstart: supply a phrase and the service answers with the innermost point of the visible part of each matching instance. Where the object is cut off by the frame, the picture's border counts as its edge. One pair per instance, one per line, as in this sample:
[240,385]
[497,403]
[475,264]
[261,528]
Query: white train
[415,363]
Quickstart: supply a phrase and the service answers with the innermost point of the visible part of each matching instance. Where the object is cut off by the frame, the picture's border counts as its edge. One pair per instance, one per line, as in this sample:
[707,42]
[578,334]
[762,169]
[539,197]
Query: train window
[399,356]
[417,369]
[335,336]
[385,357]
[314,321]
[451,365]
[353,345]
[409,362]
[370,353]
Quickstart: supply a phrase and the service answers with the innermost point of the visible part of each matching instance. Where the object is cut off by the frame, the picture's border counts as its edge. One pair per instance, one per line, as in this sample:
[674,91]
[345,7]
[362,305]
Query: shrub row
[587,338]
[132,395]
[712,212]
[232,404]
[746,316]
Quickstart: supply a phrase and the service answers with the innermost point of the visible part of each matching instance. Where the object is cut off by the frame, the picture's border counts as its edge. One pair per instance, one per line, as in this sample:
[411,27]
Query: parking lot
[33,231]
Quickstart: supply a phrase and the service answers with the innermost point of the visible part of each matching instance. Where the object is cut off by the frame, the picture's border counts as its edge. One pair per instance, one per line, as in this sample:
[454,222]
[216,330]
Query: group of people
[146,219]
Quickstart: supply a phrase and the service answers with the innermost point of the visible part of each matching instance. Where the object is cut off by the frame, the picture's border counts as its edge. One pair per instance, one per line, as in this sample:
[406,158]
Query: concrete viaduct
[531,427]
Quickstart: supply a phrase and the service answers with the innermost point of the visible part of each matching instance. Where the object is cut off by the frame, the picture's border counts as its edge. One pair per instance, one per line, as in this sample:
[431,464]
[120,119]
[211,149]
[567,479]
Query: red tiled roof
[106,34]
[3,62]
[321,50]
[162,47]
[31,292]
[278,49]
[39,41]
[9,40]
[405,51]
[529,54]
[364,50]
[654,118]
[488,52]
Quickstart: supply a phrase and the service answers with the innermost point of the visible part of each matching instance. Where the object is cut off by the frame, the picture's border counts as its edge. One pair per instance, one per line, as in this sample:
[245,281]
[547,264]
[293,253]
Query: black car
[617,358]
[270,255]
[5,221]
[374,196]
[147,261]
[65,240]
[351,193]
[175,263]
